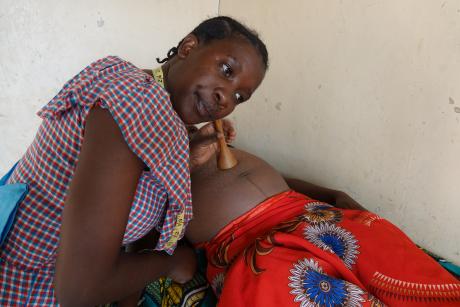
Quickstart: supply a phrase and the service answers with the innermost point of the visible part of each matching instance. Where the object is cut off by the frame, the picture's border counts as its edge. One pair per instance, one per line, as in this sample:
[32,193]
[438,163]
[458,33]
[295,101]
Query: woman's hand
[183,264]
[203,142]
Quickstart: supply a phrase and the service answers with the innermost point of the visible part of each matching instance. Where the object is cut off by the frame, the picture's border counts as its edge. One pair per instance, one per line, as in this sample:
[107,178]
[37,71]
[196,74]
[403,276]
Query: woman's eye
[227,70]
[239,98]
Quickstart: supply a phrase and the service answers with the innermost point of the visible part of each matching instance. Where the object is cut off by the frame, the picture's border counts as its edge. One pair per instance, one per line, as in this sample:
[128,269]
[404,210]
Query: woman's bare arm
[336,198]
[91,268]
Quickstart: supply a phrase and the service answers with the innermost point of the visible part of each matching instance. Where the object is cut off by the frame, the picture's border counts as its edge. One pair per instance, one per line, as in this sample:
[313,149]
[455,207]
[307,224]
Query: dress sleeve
[155,133]
[149,125]
[81,89]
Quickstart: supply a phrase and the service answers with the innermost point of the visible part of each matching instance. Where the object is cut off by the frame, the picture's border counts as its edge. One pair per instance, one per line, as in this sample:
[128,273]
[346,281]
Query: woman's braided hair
[219,28]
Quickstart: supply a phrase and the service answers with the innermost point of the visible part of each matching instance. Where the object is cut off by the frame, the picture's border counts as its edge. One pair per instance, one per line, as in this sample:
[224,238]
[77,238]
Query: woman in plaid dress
[111,162]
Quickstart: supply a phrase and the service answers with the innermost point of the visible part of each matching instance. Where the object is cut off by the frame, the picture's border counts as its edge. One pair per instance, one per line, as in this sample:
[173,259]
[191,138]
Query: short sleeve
[149,125]
[82,89]
[156,134]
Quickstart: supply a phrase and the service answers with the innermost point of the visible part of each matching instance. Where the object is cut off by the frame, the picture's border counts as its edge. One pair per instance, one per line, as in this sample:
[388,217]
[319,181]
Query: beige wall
[44,43]
[364,96]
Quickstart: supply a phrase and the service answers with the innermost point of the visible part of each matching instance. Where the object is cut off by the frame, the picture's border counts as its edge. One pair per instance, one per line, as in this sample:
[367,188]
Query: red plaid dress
[153,131]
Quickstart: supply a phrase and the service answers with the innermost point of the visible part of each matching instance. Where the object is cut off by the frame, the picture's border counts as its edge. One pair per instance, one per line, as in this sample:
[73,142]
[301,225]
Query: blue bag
[11,196]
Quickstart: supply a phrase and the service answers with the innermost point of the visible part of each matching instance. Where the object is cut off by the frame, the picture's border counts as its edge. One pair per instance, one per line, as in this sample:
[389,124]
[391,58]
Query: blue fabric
[11,196]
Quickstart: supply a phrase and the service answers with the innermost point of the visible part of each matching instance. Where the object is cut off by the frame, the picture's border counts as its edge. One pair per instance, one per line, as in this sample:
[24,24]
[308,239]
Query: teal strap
[454,269]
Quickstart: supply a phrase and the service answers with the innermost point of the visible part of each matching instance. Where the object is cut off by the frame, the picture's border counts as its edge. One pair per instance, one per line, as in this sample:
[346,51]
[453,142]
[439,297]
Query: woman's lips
[201,107]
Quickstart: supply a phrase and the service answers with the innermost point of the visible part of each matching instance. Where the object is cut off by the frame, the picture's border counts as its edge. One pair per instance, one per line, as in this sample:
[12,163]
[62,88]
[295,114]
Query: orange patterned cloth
[291,250]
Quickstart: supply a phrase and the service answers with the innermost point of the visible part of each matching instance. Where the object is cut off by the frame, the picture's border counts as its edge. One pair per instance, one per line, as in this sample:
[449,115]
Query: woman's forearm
[129,274]
[314,191]
[334,197]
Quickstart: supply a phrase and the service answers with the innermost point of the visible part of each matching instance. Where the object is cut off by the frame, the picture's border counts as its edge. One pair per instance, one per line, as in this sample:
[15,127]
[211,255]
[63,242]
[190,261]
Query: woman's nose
[222,99]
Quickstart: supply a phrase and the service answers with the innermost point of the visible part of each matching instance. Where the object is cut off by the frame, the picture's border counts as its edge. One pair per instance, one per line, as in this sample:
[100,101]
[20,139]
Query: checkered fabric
[153,131]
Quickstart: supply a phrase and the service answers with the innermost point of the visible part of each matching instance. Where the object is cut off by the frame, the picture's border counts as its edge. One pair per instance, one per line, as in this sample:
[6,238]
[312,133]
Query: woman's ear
[189,43]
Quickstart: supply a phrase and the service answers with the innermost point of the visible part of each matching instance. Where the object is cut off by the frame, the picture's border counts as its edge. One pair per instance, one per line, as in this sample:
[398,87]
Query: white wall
[44,43]
[364,96]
